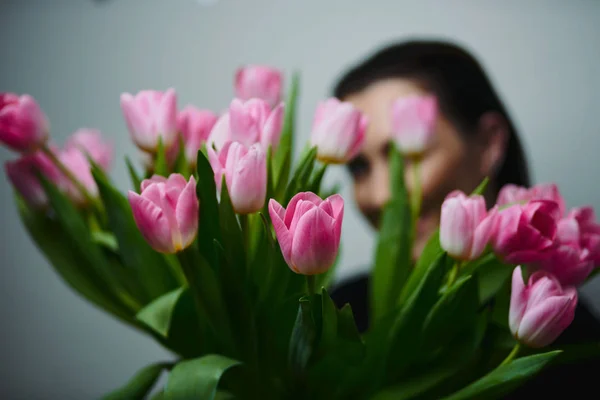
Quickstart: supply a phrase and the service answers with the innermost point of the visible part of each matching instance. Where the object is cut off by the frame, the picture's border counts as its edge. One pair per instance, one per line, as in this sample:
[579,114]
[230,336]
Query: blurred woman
[475,137]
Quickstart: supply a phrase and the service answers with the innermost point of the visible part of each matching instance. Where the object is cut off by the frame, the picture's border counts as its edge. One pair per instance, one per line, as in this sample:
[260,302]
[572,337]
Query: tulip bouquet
[224,249]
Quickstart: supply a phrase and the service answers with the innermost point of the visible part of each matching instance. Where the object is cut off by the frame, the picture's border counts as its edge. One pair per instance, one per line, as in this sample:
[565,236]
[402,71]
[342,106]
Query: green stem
[244,224]
[454,273]
[310,284]
[512,354]
[416,196]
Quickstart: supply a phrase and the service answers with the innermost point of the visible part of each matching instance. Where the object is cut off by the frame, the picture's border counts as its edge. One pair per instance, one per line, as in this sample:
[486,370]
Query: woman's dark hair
[462,87]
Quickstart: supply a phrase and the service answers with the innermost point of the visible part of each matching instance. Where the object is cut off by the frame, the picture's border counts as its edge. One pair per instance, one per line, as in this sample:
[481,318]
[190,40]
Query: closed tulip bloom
[465,225]
[308,231]
[77,163]
[151,115]
[91,143]
[245,171]
[338,131]
[166,212]
[413,123]
[23,172]
[541,310]
[589,230]
[195,126]
[259,81]
[23,125]
[513,194]
[522,233]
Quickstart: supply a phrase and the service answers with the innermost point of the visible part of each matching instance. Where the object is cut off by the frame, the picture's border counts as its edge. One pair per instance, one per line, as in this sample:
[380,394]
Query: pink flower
[151,115]
[413,123]
[79,166]
[465,226]
[523,232]
[540,311]
[249,123]
[91,142]
[259,81]
[576,248]
[338,131]
[23,125]
[166,212]
[512,194]
[194,125]
[22,173]
[245,171]
[308,231]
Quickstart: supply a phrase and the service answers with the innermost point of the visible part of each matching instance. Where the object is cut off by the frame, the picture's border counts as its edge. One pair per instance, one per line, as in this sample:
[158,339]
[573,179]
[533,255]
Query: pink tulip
[195,126]
[249,123]
[523,232]
[151,115]
[576,248]
[166,212]
[308,231]
[540,311]
[465,226]
[259,81]
[245,171]
[79,166]
[23,125]
[23,172]
[413,123]
[91,142]
[338,131]
[512,194]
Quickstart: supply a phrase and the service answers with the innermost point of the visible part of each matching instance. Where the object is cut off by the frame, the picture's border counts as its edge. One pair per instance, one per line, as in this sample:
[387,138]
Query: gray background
[77,56]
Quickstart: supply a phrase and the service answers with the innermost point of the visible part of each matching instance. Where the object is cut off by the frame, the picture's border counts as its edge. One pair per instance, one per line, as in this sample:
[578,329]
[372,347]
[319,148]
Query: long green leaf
[231,233]
[151,270]
[303,337]
[198,378]
[504,378]
[139,385]
[285,151]
[206,190]
[394,245]
[157,315]
[161,167]
[300,178]
[133,175]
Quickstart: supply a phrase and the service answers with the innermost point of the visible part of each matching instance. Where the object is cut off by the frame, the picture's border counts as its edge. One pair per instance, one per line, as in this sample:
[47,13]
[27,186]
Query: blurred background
[77,56]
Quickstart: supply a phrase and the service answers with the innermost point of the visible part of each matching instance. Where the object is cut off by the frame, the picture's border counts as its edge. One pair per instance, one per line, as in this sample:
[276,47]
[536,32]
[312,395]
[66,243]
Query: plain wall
[77,56]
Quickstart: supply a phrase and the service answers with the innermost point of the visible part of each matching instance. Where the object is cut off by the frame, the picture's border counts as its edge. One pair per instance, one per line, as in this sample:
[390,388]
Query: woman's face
[450,163]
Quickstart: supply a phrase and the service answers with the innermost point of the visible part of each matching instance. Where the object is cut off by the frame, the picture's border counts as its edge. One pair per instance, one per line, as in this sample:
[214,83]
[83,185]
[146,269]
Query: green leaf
[315,184]
[181,162]
[198,378]
[285,151]
[394,245]
[301,176]
[140,385]
[232,238]
[97,266]
[480,190]
[151,270]
[136,181]
[302,340]
[505,378]
[206,190]
[157,315]
[492,276]
[161,166]
[329,325]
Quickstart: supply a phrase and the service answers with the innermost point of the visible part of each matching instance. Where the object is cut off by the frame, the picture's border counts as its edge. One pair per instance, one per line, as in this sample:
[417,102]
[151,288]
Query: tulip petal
[291,208]
[518,300]
[337,204]
[220,133]
[248,188]
[151,222]
[483,234]
[186,213]
[314,246]
[455,228]
[284,237]
[271,132]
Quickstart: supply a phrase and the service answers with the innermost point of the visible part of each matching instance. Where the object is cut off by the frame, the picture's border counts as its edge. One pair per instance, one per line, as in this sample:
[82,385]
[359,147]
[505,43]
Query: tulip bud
[195,126]
[91,143]
[245,172]
[465,225]
[338,131]
[413,123]
[249,123]
[79,166]
[151,115]
[259,81]
[23,125]
[540,311]
[166,212]
[23,174]
[513,194]
[522,233]
[308,231]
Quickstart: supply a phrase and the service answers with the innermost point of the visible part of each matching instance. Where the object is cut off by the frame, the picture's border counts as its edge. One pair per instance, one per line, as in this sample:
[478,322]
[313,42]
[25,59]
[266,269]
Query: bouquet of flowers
[224,249]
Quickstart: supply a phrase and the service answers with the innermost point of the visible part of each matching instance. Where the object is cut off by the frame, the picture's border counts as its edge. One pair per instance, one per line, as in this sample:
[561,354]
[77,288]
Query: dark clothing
[577,381]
